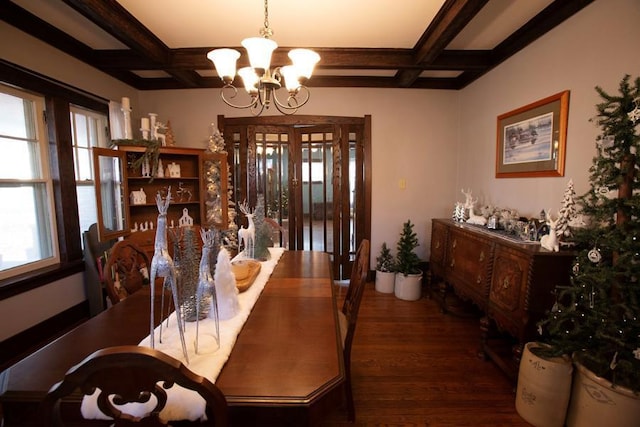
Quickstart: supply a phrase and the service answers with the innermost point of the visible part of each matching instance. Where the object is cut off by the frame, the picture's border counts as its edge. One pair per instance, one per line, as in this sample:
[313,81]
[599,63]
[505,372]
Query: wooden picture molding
[531,140]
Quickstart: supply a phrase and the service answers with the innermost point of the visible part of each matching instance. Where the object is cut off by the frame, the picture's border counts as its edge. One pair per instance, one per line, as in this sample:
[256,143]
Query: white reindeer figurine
[550,241]
[247,236]
[162,266]
[469,204]
[206,285]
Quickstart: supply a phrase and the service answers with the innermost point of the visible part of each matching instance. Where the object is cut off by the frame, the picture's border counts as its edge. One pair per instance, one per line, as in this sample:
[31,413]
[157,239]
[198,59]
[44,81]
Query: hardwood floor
[413,365]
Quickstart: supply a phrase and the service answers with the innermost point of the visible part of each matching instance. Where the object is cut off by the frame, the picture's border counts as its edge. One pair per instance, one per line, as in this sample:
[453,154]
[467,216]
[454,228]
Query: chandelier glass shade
[260,81]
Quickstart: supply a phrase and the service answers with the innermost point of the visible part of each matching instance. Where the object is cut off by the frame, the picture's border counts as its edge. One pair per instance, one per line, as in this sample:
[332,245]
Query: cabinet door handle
[455,243]
[479,279]
[453,263]
[481,259]
[505,283]
[438,244]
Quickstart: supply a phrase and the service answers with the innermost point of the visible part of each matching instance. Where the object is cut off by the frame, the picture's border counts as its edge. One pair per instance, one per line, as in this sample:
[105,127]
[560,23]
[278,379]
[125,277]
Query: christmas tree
[407,261]
[567,213]
[385,261]
[229,237]
[598,315]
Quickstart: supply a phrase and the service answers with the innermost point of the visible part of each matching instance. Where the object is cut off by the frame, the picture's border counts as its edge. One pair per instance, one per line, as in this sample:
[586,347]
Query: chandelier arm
[254,99]
[293,102]
[287,111]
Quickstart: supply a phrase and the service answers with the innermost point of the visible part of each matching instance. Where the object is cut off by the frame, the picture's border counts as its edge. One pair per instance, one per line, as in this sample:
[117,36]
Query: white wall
[27,309]
[414,137]
[595,47]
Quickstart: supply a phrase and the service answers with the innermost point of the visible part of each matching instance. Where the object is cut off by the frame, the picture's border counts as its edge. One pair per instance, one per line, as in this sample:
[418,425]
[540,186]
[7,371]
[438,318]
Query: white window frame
[43,147]
[100,139]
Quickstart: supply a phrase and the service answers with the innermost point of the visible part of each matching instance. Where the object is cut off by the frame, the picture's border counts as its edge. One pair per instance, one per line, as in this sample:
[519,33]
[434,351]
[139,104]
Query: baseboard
[19,346]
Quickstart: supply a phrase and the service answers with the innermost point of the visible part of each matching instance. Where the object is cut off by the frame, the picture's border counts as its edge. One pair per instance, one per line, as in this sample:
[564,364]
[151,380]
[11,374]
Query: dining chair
[129,374]
[126,270]
[95,259]
[349,315]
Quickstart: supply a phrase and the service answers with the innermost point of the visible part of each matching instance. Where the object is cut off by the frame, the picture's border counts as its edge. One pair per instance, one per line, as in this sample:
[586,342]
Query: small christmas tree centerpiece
[407,261]
[408,274]
[597,317]
[566,214]
[384,261]
[385,270]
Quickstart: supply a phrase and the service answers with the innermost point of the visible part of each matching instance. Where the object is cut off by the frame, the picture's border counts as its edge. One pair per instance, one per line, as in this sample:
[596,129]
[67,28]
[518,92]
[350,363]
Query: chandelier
[260,82]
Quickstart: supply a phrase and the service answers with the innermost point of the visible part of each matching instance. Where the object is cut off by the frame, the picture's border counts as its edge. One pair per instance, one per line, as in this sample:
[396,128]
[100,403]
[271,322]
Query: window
[27,217]
[89,129]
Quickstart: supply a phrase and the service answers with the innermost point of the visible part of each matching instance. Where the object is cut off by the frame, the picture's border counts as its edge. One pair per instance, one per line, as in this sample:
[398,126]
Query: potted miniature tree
[385,271]
[597,317]
[408,277]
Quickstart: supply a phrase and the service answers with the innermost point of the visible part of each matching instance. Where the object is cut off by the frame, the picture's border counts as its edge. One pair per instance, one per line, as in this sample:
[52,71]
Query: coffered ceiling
[162,44]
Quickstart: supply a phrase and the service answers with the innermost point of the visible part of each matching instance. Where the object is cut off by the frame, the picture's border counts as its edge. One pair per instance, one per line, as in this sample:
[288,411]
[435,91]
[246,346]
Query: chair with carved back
[130,374]
[126,270]
[349,315]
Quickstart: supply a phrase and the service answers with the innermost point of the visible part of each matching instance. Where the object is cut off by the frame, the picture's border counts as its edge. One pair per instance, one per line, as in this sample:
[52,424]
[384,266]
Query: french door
[314,175]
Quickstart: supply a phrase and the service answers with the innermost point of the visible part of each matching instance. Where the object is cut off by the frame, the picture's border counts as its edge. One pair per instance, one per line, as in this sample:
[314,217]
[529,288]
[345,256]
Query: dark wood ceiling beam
[42,30]
[459,60]
[355,59]
[166,83]
[117,21]
[352,58]
[448,22]
[550,17]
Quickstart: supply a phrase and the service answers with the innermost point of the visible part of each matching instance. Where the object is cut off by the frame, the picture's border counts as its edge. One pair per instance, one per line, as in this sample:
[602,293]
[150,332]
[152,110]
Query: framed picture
[531,140]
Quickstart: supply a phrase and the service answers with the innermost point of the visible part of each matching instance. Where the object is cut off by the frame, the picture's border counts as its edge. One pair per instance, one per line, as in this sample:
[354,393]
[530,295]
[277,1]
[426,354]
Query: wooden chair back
[349,315]
[131,374]
[95,259]
[126,270]
[351,305]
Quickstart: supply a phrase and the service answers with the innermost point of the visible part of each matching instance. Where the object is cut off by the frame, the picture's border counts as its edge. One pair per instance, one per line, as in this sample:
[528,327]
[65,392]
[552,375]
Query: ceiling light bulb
[291,77]
[304,60]
[250,79]
[259,50]
[225,62]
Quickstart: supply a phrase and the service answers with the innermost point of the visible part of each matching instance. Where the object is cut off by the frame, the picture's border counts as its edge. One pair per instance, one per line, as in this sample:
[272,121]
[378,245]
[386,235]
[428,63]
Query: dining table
[285,368]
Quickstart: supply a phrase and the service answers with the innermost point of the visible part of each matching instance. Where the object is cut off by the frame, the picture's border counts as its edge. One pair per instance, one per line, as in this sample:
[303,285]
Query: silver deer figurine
[206,285]
[162,266]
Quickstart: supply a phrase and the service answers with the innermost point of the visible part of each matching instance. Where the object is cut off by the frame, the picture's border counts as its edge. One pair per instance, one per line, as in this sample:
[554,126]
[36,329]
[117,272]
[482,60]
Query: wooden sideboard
[510,281]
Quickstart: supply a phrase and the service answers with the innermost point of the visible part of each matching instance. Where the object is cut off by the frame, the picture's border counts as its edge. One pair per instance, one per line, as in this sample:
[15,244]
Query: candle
[145,123]
[126,105]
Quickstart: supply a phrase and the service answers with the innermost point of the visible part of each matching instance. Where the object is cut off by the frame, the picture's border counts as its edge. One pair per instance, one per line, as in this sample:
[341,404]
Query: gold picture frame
[531,140]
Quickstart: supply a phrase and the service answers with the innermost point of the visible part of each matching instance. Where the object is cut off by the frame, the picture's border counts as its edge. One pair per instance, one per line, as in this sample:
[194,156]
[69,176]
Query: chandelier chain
[266,32]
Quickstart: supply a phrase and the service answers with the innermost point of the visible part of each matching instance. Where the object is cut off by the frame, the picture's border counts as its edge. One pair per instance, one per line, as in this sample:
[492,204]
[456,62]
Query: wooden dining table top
[287,355]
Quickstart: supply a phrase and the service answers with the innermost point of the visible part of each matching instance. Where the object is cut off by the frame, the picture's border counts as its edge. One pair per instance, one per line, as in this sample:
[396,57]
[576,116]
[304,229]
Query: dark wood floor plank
[413,365]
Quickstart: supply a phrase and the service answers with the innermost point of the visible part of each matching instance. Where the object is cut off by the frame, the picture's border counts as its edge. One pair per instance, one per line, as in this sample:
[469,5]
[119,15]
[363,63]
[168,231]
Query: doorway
[314,174]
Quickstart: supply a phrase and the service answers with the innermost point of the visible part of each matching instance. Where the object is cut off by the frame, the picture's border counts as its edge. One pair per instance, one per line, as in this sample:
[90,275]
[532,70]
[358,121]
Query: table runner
[183,404]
